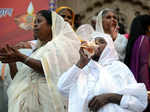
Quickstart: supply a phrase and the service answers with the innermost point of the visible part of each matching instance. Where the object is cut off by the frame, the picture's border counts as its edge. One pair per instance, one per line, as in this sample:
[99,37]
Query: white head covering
[58,57]
[99,24]
[109,53]
[64,40]
[114,78]
[85,31]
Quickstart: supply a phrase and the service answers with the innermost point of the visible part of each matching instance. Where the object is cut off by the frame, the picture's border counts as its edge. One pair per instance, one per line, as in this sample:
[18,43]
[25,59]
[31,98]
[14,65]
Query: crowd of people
[56,73]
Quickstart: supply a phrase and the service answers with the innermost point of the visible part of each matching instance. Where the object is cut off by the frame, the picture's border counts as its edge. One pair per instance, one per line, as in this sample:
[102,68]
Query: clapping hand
[9,54]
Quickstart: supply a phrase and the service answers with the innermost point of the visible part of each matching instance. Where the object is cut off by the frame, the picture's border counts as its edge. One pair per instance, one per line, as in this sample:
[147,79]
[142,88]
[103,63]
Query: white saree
[31,91]
[105,76]
[5,71]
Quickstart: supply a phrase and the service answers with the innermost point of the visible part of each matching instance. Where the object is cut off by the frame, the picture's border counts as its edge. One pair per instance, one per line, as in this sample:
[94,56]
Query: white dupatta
[29,88]
[63,52]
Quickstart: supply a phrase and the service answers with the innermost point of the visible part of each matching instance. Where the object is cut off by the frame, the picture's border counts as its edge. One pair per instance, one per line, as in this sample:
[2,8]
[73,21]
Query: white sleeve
[134,94]
[68,78]
[135,98]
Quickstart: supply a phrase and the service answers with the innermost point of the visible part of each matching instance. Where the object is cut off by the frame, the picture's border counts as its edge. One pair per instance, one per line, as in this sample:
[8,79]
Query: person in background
[107,23]
[30,89]
[77,21]
[93,22]
[138,50]
[67,13]
[95,83]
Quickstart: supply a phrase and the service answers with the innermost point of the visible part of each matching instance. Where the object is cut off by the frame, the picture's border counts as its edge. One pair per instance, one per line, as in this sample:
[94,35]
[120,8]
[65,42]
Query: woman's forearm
[33,63]
[13,69]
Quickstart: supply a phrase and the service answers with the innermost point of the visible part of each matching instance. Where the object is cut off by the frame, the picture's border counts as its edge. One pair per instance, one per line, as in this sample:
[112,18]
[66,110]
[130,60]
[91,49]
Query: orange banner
[16,18]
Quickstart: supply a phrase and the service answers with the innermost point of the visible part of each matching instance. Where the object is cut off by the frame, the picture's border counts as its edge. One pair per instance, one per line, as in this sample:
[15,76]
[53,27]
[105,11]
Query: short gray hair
[106,10]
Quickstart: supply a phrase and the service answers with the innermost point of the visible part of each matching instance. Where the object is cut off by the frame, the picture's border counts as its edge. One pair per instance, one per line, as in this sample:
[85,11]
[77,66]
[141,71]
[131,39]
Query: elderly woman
[107,23]
[96,83]
[33,87]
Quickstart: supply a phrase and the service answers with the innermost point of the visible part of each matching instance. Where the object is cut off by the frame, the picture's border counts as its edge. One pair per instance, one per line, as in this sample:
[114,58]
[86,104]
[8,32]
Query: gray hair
[106,10]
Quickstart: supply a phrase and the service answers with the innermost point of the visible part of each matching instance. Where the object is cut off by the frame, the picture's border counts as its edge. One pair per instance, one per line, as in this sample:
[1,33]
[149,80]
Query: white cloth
[109,53]
[84,32]
[121,41]
[63,52]
[96,78]
[120,45]
[31,91]
[7,76]
[33,44]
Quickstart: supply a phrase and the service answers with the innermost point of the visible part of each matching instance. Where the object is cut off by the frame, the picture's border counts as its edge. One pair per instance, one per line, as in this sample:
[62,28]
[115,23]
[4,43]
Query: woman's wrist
[23,58]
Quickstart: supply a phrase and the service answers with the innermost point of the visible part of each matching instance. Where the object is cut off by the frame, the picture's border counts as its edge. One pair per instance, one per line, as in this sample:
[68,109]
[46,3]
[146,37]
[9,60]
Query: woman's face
[66,14]
[42,30]
[101,45]
[109,21]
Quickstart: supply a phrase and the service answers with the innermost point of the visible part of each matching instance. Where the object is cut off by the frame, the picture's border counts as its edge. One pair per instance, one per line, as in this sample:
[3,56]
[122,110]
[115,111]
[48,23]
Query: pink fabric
[126,35]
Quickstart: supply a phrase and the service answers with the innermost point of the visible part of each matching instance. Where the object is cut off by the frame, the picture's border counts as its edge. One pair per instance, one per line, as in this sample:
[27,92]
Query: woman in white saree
[102,83]
[107,23]
[33,87]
